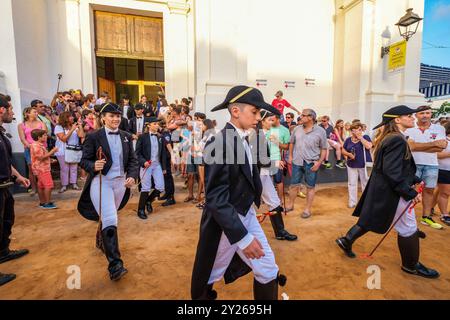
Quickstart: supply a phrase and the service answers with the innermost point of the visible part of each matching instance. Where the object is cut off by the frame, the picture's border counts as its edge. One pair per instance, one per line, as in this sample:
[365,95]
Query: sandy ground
[159,254]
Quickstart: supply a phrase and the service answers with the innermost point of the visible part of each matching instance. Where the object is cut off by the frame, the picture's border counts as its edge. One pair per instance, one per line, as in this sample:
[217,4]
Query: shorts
[303,172]
[429,175]
[45,180]
[444,177]
[278,177]
[192,165]
[27,155]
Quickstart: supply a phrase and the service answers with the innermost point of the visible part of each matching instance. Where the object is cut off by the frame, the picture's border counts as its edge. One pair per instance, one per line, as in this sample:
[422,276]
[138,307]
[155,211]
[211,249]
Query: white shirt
[125,111]
[73,140]
[139,124]
[115,145]
[444,164]
[245,242]
[248,151]
[433,133]
[154,148]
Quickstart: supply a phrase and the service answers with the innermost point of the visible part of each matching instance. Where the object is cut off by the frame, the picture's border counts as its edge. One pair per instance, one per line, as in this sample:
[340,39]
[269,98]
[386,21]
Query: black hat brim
[259,105]
[404,113]
[151,120]
[381,124]
[113,112]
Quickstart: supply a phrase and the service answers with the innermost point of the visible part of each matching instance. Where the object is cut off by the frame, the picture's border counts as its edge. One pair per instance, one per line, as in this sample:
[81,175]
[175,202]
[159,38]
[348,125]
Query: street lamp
[407,27]
[408,24]
[385,38]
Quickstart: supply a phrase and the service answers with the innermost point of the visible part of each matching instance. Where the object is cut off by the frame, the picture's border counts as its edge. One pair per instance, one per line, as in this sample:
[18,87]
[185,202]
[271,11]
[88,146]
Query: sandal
[188,199]
[306,215]
[201,206]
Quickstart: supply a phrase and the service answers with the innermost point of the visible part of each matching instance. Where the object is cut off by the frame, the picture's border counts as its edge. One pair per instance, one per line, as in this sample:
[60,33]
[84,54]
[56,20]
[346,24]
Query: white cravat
[243,134]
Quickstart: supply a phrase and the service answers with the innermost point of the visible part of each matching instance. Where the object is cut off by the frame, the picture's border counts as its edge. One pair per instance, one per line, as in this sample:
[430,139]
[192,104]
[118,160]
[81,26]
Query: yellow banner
[397,55]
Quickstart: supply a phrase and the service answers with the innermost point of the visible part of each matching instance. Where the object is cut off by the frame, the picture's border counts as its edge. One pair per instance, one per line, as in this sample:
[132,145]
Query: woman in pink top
[31,122]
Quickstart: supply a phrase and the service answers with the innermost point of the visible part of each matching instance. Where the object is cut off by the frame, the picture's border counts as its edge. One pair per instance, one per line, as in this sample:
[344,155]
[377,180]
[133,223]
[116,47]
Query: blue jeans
[429,175]
[27,155]
[303,172]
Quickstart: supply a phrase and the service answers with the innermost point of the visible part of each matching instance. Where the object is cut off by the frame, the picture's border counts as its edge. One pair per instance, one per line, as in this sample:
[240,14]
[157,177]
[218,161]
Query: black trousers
[6,219]
[169,185]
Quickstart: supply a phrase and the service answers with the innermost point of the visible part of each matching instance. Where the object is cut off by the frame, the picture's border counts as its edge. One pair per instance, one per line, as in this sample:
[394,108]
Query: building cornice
[347,7]
[175,7]
[182,8]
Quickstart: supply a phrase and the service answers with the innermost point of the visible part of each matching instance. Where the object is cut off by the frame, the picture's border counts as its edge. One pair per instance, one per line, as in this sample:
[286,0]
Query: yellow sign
[397,55]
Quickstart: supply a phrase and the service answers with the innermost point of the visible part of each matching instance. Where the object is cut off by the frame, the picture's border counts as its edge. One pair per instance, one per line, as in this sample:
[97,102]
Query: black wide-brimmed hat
[139,106]
[110,108]
[151,120]
[247,95]
[395,112]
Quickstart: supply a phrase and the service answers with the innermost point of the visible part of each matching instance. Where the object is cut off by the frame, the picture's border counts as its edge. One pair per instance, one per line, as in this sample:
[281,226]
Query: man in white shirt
[426,140]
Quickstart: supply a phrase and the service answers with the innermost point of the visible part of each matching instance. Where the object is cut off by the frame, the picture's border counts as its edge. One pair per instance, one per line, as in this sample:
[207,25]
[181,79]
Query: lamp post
[408,24]
[407,27]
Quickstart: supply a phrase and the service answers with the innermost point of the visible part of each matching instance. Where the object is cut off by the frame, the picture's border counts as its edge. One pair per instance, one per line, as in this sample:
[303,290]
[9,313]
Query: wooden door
[128,36]
[108,86]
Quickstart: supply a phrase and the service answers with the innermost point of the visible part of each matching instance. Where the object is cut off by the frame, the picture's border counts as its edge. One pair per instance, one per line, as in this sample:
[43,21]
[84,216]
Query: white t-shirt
[433,133]
[444,164]
[73,140]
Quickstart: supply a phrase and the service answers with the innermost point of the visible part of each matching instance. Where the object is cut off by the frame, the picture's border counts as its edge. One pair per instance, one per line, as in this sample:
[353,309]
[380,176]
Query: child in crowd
[41,165]
[89,123]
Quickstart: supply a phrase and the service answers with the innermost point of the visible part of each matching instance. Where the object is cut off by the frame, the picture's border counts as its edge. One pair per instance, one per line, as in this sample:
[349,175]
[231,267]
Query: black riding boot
[209,293]
[164,197]
[278,225]
[268,291]
[345,243]
[410,251]
[151,197]
[141,206]
[170,200]
[111,245]
[5,278]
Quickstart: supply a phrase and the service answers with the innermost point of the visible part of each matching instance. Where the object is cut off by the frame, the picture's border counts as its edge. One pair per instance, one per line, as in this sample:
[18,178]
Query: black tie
[115,133]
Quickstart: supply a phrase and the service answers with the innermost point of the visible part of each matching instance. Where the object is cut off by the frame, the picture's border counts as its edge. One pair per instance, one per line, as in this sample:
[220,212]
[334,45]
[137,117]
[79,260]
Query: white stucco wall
[239,42]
